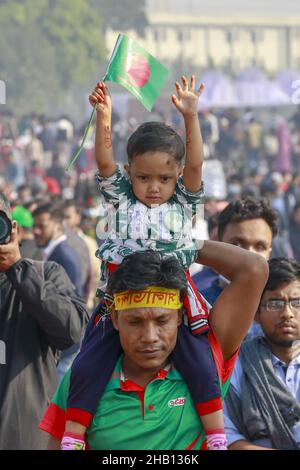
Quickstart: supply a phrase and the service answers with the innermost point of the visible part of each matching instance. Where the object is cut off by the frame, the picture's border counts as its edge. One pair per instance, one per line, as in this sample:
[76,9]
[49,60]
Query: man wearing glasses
[263,403]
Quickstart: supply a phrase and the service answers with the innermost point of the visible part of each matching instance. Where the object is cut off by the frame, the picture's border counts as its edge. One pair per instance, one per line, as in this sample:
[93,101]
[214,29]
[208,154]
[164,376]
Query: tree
[76,35]
[47,48]
[123,15]
[28,68]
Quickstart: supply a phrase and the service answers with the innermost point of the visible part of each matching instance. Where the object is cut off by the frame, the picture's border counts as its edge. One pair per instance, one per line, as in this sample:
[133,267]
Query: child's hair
[155,137]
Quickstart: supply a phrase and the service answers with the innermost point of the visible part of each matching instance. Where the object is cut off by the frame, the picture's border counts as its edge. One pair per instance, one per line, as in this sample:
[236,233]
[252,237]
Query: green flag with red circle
[136,70]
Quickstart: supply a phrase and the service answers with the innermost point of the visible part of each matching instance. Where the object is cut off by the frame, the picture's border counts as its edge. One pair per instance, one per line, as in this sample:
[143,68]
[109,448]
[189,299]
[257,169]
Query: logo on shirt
[177,402]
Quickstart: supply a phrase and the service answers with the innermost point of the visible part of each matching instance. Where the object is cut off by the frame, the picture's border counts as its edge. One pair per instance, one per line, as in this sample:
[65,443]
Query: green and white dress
[133,226]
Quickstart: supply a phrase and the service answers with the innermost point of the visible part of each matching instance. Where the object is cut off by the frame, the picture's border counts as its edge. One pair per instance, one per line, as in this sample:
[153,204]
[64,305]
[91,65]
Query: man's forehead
[254,229]
[286,289]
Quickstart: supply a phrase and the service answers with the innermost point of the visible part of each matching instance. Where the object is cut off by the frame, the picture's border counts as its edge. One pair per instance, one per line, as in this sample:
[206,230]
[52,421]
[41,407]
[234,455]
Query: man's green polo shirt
[160,417]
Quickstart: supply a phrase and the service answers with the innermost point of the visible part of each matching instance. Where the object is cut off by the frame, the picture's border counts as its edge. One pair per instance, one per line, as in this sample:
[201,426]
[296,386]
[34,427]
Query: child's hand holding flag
[135,69]
[101,98]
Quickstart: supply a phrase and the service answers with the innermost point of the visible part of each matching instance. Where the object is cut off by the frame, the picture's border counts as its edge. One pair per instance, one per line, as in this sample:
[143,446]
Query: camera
[5,228]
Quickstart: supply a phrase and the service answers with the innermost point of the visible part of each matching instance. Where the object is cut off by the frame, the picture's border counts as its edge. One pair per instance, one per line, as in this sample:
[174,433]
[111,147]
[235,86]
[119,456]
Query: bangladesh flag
[136,70]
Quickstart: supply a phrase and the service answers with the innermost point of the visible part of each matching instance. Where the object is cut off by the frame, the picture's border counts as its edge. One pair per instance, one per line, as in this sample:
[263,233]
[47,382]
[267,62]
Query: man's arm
[236,439]
[58,311]
[235,308]
[103,143]
[187,105]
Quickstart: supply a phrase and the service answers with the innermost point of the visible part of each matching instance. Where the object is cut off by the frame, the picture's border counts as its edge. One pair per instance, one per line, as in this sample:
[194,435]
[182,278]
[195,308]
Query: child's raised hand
[101,96]
[187,97]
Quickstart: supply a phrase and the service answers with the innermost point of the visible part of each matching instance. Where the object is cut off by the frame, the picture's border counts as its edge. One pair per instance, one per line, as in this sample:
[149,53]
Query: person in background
[49,235]
[72,218]
[284,157]
[263,402]
[249,223]
[57,170]
[81,249]
[28,246]
[207,276]
[24,194]
[254,136]
[40,315]
[295,231]
[34,149]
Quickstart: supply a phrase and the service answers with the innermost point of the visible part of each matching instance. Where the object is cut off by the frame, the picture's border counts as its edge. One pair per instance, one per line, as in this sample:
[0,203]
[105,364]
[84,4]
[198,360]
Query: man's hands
[186,102]
[187,97]
[101,96]
[10,253]
[103,143]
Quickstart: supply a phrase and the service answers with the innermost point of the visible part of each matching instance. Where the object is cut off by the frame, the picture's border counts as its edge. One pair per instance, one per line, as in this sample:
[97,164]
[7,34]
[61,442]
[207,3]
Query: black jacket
[39,315]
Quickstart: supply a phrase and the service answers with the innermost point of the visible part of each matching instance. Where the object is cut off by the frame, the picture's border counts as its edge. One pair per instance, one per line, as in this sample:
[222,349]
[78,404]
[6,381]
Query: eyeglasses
[276,305]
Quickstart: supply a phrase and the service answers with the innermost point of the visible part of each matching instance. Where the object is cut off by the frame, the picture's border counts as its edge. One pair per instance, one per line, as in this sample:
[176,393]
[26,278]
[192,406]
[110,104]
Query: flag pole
[83,139]
[69,166]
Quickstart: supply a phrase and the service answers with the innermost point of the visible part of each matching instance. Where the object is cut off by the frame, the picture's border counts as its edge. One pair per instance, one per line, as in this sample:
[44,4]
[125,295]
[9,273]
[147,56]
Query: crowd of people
[257,153]
[66,316]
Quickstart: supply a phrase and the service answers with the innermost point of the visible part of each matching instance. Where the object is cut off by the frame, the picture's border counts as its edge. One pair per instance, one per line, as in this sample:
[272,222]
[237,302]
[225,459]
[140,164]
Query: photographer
[39,314]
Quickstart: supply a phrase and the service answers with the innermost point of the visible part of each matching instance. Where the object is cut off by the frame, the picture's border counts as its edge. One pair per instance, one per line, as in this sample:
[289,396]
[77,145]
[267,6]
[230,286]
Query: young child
[156,187]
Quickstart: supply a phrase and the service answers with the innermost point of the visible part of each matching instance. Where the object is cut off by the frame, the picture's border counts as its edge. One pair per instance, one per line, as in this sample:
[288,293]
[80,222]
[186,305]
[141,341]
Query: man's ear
[114,319]
[19,229]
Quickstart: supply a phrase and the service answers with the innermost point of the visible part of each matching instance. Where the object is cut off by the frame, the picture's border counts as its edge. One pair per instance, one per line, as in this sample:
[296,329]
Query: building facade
[225,34]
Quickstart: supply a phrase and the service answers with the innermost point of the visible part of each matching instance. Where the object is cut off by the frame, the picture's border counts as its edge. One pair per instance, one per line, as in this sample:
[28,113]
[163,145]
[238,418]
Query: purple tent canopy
[219,91]
[285,80]
[276,96]
[254,89]
[251,75]
[251,88]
